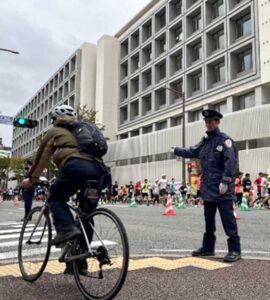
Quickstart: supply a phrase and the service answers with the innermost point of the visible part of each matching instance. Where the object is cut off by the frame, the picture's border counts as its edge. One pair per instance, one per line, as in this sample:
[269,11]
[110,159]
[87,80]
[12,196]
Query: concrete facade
[215,51]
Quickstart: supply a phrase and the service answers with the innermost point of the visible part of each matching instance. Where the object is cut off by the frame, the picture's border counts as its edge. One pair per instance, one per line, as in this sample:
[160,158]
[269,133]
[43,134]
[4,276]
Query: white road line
[10,223]
[18,230]
[217,251]
[15,236]
[14,254]
[15,243]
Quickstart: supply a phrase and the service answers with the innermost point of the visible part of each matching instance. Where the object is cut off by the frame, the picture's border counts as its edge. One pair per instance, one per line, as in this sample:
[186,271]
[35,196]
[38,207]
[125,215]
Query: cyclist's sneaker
[66,235]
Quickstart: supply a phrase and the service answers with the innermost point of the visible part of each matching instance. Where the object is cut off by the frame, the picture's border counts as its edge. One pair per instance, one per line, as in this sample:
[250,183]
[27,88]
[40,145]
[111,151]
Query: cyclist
[75,169]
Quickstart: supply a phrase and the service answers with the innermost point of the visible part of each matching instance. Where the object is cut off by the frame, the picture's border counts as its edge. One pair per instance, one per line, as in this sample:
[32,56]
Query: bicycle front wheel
[34,244]
[107,269]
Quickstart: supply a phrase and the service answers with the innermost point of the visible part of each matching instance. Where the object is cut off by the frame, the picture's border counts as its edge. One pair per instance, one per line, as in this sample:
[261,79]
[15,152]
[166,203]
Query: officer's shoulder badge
[228,143]
[219,148]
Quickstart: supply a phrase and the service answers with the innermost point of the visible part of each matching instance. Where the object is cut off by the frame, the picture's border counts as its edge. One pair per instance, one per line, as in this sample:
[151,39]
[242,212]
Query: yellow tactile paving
[54,267]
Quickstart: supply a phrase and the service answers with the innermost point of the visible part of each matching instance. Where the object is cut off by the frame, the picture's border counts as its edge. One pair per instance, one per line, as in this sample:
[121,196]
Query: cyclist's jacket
[58,143]
[219,161]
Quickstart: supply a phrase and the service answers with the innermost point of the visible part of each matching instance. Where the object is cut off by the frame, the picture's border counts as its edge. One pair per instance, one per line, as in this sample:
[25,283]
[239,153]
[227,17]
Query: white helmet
[63,110]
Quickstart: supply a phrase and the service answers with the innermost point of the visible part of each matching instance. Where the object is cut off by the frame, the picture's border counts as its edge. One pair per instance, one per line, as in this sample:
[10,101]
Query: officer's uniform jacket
[218,157]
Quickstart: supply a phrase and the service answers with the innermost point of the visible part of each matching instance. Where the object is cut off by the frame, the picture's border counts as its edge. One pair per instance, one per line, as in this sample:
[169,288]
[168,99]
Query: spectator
[155,191]
[239,189]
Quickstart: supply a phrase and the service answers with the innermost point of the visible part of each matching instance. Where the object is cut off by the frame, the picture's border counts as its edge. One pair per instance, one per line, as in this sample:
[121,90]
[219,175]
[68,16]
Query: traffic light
[25,123]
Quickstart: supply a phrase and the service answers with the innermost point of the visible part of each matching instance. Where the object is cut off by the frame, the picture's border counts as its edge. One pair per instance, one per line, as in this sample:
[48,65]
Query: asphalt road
[172,276]
[151,233]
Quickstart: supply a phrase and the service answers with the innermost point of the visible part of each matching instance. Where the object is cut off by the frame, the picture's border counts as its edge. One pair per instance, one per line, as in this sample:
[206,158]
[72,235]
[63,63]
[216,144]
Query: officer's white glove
[172,149]
[223,188]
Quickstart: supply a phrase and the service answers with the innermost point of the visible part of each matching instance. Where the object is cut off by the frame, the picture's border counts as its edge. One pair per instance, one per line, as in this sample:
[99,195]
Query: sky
[46,33]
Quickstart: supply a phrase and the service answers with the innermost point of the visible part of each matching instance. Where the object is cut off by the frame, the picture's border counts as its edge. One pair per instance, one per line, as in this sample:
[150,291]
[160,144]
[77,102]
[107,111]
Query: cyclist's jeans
[28,195]
[72,178]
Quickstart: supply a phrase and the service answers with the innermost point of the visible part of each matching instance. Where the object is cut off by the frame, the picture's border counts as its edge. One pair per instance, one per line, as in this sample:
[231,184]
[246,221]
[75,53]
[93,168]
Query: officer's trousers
[225,208]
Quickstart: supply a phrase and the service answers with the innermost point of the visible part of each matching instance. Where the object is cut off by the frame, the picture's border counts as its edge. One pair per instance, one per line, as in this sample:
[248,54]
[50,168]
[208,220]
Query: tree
[90,115]
[4,170]
[17,166]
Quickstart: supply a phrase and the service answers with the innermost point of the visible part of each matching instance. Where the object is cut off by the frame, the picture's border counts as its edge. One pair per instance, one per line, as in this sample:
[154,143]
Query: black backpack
[89,138]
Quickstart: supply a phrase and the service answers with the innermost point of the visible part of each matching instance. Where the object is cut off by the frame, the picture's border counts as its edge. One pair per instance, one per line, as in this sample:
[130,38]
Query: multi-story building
[71,84]
[216,52]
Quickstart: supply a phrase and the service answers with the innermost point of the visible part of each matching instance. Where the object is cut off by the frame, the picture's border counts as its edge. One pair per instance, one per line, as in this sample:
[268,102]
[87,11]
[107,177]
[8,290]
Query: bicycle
[107,268]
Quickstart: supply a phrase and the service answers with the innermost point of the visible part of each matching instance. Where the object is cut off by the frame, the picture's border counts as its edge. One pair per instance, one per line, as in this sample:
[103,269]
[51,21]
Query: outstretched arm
[191,152]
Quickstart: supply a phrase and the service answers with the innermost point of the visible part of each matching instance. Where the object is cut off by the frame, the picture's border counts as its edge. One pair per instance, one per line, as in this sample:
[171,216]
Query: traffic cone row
[169,208]
[244,205]
[133,202]
[180,204]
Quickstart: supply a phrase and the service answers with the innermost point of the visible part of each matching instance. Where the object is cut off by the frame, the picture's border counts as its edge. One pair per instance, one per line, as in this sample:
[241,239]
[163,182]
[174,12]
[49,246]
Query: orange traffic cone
[235,214]
[169,208]
[16,201]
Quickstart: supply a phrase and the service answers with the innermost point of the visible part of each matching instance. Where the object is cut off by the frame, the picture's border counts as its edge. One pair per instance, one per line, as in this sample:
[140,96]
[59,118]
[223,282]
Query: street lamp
[8,50]
[181,95]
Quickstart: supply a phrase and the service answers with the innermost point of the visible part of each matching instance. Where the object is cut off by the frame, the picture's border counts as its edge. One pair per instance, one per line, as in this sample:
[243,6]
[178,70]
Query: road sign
[6,120]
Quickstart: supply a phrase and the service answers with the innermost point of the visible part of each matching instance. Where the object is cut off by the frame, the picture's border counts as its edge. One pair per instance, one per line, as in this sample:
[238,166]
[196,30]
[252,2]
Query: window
[135,40]
[219,72]
[245,61]
[217,9]
[134,86]
[147,55]
[196,82]
[123,114]
[176,91]
[221,107]
[176,121]
[176,62]
[146,105]
[196,52]
[147,30]
[196,22]
[160,45]
[161,125]
[134,110]
[160,99]
[135,60]
[147,78]
[124,48]
[124,70]
[123,92]
[243,26]
[197,115]
[147,129]
[160,19]
[162,69]
[135,133]
[218,40]
[246,101]
[175,9]
[178,34]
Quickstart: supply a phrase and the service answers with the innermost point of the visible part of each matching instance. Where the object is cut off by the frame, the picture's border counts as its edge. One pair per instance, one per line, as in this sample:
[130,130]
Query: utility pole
[181,95]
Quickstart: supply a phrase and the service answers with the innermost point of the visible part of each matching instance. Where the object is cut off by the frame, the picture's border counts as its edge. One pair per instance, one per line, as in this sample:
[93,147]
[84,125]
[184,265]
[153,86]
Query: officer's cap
[211,114]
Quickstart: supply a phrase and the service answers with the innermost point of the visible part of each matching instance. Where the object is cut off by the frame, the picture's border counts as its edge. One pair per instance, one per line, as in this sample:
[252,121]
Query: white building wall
[107,92]
[88,75]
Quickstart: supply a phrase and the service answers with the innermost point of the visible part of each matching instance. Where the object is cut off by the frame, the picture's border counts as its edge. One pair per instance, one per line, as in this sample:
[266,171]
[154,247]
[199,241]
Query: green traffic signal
[22,121]
[25,123]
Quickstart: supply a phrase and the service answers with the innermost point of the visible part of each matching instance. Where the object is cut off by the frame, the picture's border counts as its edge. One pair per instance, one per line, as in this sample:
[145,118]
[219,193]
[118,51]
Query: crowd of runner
[256,192]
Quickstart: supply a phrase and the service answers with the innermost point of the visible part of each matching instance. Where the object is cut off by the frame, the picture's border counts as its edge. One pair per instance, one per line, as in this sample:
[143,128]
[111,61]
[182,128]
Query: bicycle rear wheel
[34,244]
[107,269]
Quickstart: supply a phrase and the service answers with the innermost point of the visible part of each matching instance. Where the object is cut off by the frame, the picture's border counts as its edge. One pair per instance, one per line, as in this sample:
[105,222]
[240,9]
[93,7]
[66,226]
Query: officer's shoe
[232,256]
[202,252]
[65,235]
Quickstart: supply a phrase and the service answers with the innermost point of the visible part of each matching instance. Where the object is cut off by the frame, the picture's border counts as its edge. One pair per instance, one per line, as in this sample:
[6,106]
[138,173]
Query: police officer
[218,157]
